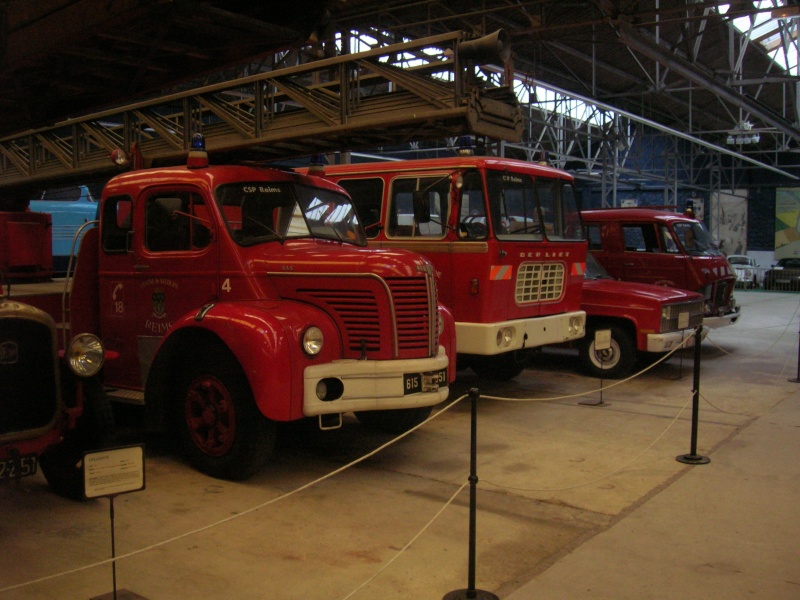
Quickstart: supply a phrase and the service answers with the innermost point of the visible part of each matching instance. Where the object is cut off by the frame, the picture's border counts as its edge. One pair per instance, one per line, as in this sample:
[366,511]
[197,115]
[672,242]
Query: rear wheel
[222,432]
[62,464]
[397,420]
[614,362]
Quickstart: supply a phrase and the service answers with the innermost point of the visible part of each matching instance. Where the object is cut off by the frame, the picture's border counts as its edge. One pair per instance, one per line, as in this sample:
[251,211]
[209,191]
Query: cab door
[169,267]
[648,255]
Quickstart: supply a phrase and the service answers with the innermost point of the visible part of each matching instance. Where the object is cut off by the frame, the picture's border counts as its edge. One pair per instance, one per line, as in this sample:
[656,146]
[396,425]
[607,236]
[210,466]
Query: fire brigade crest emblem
[159,304]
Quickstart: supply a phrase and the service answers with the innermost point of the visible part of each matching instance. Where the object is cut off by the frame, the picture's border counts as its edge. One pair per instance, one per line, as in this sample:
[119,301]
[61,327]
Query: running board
[125,396]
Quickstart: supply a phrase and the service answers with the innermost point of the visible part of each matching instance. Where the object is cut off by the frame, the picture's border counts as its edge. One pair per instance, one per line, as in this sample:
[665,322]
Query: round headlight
[439,323]
[504,337]
[85,355]
[312,341]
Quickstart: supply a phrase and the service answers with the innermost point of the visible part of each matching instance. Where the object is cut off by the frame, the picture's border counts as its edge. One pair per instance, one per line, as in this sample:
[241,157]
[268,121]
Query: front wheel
[501,367]
[223,433]
[614,362]
[397,420]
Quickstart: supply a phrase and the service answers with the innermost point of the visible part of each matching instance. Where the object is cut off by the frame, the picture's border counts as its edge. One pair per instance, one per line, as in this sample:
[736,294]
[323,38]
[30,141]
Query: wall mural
[729,220]
[787,224]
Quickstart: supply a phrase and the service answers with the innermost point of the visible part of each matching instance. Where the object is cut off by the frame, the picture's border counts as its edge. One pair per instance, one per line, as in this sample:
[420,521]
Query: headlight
[85,355]
[312,341]
[439,323]
[576,324]
[505,336]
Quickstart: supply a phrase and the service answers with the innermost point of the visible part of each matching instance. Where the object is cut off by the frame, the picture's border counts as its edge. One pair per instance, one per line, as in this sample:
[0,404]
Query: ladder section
[347,102]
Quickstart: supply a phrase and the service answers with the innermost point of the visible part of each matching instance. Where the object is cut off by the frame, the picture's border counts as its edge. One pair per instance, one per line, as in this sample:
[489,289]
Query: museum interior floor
[574,500]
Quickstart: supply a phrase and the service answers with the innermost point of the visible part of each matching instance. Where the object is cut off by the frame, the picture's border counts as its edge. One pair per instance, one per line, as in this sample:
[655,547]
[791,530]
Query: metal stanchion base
[470,594]
[594,403]
[693,459]
[120,595]
[795,380]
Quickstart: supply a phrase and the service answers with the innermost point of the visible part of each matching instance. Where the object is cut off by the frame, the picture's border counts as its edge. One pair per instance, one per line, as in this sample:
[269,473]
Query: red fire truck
[504,235]
[238,296]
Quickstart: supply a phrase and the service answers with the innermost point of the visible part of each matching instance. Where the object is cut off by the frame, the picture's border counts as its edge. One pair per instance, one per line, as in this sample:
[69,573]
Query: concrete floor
[574,501]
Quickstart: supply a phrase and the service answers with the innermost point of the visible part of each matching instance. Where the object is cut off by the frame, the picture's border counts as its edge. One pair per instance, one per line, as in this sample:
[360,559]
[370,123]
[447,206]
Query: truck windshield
[696,239]
[525,208]
[257,212]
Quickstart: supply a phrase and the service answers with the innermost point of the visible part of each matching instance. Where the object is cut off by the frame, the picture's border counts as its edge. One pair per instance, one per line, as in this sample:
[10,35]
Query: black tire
[501,367]
[614,363]
[397,420]
[222,432]
[62,464]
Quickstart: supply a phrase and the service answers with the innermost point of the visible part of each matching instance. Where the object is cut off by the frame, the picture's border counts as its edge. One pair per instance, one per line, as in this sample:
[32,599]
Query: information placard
[113,471]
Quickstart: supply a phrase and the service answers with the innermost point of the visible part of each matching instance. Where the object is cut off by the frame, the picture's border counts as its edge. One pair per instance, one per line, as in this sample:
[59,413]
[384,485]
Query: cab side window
[667,241]
[640,238]
[117,224]
[176,222]
[366,195]
[472,223]
[401,208]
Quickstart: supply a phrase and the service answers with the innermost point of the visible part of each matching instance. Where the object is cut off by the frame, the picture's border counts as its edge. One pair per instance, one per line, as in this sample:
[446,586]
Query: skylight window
[775,26]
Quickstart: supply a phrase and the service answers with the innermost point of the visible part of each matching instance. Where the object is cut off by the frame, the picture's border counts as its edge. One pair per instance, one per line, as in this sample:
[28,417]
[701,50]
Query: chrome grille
[538,282]
[358,311]
[671,313]
[28,386]
[412,306]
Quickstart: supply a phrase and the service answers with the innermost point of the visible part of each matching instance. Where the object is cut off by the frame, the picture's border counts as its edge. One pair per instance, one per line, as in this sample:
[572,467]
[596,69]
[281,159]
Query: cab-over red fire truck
[505,235]
[238,296]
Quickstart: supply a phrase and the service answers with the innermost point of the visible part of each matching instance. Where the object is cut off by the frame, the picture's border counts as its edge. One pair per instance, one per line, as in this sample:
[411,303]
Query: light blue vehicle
[70,206]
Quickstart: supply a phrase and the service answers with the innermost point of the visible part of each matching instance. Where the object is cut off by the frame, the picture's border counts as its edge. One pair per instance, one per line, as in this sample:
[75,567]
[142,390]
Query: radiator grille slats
[357,310]
[413,312]
[27,376]
[539,282]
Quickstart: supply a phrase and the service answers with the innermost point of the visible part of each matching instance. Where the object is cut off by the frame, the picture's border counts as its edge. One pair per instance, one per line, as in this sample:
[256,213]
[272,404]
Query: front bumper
[722,320]
[664,342]
[373,385]
[481,338]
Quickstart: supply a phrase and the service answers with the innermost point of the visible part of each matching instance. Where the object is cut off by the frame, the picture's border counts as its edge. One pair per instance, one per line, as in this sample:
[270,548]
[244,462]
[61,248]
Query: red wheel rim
[210,416]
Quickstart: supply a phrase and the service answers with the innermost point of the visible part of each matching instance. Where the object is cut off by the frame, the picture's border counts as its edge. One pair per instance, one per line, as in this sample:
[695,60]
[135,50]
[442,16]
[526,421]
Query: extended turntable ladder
[348,102]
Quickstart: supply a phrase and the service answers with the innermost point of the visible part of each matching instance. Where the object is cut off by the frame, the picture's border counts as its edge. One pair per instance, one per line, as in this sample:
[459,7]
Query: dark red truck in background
[664,248]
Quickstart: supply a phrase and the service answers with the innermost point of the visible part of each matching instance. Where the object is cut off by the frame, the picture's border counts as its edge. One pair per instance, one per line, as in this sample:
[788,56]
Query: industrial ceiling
[676,64]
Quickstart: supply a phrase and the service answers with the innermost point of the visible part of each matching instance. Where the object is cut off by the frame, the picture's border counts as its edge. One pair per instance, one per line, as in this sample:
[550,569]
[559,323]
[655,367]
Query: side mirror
[422,206]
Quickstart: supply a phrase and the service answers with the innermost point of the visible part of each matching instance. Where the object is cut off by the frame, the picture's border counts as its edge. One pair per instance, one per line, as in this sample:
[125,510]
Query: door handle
[140,267]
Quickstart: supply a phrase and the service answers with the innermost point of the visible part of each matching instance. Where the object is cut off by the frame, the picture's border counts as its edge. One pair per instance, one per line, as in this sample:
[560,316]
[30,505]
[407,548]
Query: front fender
[265,339]
[448,340]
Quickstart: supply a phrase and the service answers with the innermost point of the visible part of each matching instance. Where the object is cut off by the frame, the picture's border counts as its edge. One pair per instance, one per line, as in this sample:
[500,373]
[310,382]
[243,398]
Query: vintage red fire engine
[238,297]
[504,234]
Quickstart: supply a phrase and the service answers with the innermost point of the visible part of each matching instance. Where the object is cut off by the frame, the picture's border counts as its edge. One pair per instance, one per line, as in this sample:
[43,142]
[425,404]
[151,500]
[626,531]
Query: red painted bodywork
[709,275]
[478,278]
[138,300]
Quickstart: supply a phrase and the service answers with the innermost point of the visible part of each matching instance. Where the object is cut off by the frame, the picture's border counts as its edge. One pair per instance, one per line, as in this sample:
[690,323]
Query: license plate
[23,466]
[414,383]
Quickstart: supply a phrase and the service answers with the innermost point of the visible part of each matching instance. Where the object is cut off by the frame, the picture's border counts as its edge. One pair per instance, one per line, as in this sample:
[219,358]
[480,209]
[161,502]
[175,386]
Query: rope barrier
[606,476]
[410,542]
[335,472]
[238,514]
[605,388]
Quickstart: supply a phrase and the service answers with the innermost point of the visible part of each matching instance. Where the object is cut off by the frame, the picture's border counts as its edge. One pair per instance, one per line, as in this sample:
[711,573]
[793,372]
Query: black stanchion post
[693,458]
[471,592]
[797,379]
